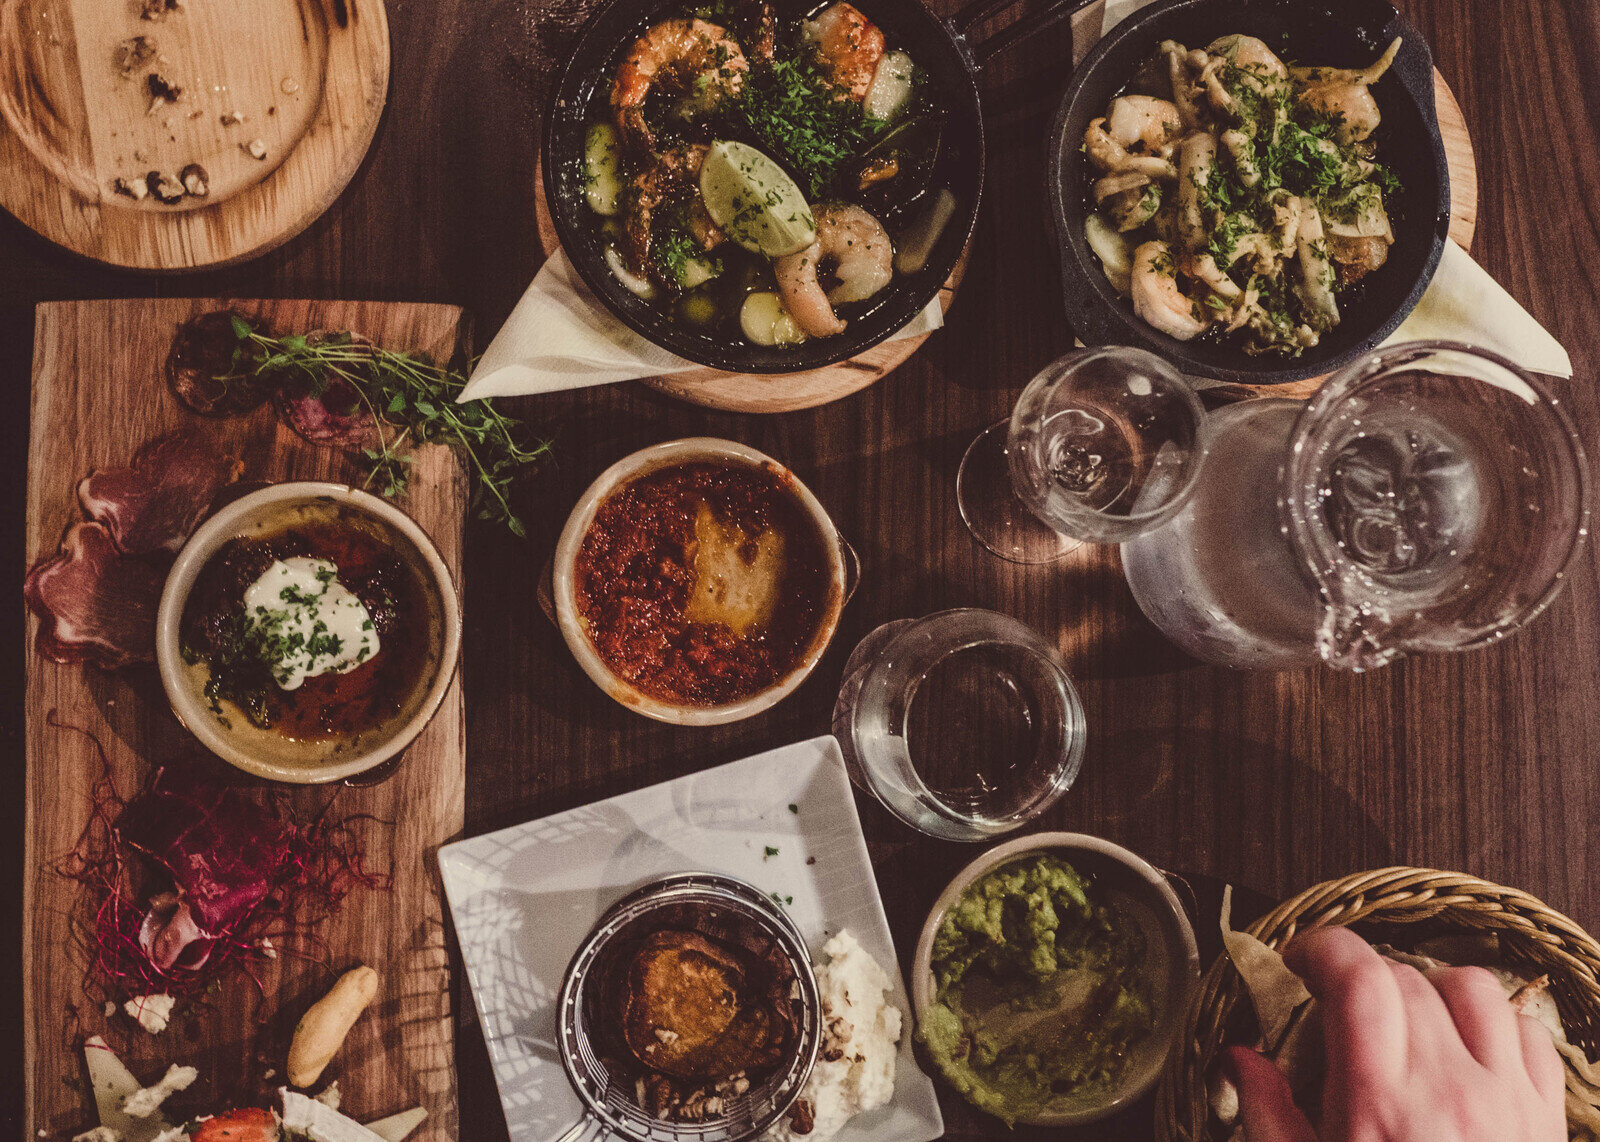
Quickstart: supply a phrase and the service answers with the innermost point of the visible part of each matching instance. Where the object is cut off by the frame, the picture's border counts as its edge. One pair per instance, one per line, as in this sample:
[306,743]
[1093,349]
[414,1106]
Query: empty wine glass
[1103,445]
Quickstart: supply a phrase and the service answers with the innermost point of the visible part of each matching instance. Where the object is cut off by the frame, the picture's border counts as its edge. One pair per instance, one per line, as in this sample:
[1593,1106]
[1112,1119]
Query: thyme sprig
[411,400]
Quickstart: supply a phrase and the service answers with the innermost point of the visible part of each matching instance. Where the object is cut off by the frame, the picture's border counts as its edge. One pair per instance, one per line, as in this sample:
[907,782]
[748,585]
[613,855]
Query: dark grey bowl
[1339,33]
[908,24]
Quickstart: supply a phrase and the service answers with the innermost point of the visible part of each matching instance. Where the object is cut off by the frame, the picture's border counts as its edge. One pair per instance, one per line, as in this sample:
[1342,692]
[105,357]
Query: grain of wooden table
[1484,762]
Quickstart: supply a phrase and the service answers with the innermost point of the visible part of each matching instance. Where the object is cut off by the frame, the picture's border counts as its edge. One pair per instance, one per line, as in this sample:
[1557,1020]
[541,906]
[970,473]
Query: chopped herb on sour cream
[308,623]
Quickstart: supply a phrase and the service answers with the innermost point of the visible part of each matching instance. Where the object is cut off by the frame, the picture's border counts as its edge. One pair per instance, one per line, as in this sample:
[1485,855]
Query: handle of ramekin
[1185,893]
[852,567]
[546,591]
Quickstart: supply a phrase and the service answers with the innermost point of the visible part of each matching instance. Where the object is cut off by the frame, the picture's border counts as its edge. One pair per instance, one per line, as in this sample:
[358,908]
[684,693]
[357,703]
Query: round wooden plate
[736,392]
[268,105]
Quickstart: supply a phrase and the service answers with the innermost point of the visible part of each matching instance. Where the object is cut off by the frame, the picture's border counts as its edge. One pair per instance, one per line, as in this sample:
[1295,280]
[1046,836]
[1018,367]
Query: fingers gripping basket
[1533,937]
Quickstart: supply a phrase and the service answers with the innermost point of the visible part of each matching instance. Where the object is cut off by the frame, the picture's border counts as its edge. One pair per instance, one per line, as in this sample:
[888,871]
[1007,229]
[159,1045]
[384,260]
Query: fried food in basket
[1291,1027]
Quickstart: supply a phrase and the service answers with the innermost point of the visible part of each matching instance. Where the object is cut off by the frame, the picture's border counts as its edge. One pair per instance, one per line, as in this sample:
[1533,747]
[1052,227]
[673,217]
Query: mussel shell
[913,146]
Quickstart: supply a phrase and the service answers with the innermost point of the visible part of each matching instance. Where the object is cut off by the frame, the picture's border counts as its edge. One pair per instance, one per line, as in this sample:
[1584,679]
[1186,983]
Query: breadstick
[322,1029]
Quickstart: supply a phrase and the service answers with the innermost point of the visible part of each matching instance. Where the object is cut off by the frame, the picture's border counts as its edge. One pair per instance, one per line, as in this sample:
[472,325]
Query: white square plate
[525,897]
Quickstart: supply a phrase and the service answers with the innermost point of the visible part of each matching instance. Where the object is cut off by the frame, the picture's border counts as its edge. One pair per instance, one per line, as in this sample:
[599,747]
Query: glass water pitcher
[1429,497]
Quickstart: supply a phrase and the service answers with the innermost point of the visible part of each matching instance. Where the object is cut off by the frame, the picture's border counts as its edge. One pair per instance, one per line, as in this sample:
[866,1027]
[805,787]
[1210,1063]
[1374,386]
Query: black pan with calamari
[1238,197]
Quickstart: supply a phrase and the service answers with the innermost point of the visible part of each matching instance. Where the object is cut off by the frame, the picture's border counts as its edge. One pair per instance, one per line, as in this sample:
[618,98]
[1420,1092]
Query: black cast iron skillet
[1336,33]
[941,47]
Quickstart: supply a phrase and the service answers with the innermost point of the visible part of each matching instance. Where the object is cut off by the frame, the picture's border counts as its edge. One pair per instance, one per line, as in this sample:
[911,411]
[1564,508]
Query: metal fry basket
[610,1106]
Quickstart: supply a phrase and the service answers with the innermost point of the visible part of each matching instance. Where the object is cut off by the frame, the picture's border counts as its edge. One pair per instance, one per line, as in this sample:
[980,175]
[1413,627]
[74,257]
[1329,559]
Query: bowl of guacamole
[1051,977]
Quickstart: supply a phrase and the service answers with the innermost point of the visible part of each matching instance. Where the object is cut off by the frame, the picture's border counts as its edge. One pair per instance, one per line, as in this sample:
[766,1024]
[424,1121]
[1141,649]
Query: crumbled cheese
[329,1096]
[144,1103]
[98,1134]
[265,944]
[172,1134]
[855,1069]
[111,1008]
[152,1012]
[308,1117]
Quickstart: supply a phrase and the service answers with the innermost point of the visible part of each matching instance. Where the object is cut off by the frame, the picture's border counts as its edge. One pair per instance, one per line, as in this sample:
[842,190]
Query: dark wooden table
[1487,762]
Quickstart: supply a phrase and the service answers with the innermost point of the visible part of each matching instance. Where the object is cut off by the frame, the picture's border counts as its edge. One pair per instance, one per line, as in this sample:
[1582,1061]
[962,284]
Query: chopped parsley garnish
[795,116]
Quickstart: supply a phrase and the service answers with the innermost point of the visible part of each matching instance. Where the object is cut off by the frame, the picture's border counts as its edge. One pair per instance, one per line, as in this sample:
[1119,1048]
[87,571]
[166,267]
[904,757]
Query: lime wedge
[754,201]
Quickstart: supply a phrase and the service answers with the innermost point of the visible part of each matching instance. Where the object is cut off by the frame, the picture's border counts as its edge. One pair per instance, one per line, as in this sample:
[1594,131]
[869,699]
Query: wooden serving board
[768,392]
[98,392]
[301,83]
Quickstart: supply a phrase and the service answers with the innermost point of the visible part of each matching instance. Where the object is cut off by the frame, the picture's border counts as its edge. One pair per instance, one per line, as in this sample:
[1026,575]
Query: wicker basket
[1533,937]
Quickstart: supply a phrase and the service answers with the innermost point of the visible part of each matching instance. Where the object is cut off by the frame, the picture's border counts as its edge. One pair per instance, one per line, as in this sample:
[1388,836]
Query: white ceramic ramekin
[253,752]
[1143,893]
[841,563]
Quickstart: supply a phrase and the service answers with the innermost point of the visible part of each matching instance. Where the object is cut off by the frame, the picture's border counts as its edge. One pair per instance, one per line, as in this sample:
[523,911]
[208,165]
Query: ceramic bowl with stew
[699,581]
[307,632]
[1143,898]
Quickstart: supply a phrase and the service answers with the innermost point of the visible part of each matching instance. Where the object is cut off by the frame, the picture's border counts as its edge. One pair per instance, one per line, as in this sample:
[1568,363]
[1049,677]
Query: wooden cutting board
[98,392]
[274,101]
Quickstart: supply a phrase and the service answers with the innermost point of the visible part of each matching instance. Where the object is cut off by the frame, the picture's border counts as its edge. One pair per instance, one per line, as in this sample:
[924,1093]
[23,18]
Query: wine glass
[1103,445]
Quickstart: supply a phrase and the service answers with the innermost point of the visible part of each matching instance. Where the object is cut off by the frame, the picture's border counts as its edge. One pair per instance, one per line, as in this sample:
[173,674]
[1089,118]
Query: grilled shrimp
[854,246]
[1157,298]
[1145,121]
[1113,158]
[849,47]
[1343,94]
[675,171]
[692,57]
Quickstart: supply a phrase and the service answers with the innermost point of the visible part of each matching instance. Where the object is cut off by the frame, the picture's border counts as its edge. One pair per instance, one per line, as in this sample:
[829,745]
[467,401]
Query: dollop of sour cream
[308,622]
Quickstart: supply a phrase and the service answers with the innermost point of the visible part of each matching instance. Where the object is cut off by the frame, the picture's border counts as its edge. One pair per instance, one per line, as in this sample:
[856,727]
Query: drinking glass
[1103,445]
[964,724]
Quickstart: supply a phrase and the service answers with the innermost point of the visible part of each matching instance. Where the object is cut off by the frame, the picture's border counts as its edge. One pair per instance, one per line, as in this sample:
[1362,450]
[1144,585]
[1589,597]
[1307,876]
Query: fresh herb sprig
[411,400]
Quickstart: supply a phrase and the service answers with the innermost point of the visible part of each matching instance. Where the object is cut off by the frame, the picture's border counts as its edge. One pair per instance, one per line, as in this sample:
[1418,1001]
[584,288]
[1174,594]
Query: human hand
[1441,1057]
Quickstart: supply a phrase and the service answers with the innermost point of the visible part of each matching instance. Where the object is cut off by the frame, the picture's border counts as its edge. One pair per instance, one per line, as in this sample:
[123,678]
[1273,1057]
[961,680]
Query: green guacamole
[1040,990]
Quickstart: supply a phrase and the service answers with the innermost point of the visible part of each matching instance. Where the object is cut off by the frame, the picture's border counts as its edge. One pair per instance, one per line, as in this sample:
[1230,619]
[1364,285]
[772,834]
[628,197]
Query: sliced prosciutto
[335,417]
[95,604]
[157,501]
[224,853]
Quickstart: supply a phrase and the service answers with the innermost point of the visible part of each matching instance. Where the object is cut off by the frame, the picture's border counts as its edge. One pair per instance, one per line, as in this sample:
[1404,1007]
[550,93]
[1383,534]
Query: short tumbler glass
[964,724]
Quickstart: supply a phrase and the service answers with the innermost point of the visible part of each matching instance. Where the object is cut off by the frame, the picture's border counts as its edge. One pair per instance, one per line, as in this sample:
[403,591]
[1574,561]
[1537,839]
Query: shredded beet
[189,876]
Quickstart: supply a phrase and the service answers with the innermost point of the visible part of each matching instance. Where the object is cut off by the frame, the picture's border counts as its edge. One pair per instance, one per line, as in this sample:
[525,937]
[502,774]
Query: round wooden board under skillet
[773,392]
[275,100]
[736,392]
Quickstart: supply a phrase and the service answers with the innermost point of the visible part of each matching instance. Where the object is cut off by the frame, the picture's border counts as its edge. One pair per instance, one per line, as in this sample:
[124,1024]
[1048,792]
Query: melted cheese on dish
[736,576]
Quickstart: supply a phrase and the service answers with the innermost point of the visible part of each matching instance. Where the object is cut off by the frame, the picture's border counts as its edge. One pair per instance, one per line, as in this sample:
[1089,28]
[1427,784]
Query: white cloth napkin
[1462,303]
[560,336]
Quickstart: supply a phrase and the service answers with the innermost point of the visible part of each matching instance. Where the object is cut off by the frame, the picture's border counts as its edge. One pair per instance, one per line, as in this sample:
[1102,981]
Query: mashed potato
[855,1065]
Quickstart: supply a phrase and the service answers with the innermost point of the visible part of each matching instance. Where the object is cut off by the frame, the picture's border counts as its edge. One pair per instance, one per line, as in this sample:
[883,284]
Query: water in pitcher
[1220,579]
[1428,499]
